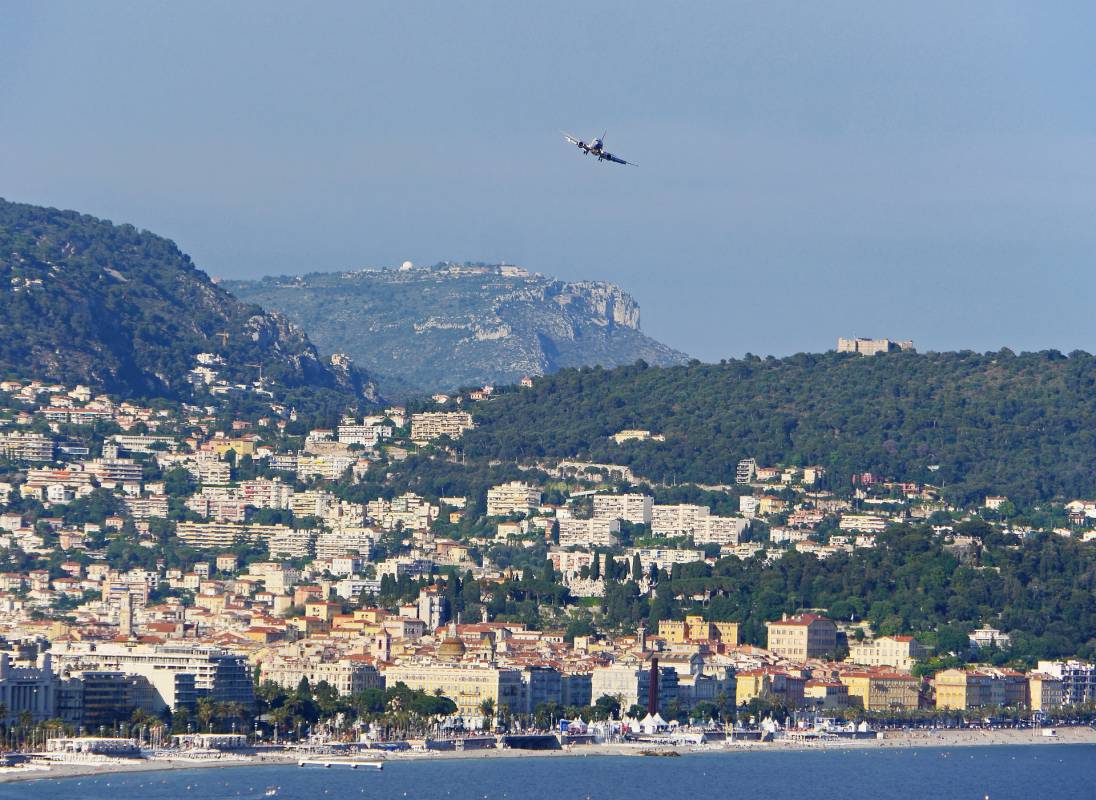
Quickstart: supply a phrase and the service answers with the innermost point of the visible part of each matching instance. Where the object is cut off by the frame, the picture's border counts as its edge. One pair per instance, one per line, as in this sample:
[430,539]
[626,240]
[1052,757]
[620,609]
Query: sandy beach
[890,739]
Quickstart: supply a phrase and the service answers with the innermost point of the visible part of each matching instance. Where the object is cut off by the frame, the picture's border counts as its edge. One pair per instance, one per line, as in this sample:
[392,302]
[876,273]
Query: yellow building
[467,685]
[963,689]
[883,691]
[768,504]
[826,694]
[802,636]
[673,631]
[694,628]
[1044,691]
[886,651]
[771,684]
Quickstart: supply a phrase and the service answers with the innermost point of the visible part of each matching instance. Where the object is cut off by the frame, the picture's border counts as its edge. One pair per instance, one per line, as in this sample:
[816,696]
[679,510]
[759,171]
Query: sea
[1026,772]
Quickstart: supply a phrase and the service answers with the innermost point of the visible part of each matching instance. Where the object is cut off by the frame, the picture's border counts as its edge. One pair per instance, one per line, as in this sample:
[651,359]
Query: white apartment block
[677,520]
[634,508]
[212,535]
[719,530]
[327,467]
[410,510]
[264,493]
[865,523]
[146,507]
[312,504]
[1078,680]
[367,435]
[341,541]
[26,446]
[178,673]
[514,497]
[596,532]
[291,543]
[217,508]
[115,469]
[664,557]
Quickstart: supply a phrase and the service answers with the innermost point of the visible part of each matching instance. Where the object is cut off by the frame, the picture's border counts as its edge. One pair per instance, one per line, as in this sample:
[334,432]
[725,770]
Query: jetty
[339,762]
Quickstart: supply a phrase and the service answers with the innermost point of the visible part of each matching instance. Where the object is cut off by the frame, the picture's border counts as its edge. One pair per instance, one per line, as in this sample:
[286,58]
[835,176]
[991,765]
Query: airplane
[596,148]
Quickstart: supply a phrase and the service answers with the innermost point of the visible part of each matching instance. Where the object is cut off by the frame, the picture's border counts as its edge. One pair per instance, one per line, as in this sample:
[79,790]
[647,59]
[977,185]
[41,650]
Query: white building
[514,497]
[596,532]
[634,508]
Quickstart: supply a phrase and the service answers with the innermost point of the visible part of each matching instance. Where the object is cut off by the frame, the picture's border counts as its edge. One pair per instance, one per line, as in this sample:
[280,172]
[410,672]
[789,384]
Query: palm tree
[487,710]
[26,719]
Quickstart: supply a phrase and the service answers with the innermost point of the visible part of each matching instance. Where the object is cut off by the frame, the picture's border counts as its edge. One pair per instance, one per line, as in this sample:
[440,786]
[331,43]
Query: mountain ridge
[124,310]
[452,325]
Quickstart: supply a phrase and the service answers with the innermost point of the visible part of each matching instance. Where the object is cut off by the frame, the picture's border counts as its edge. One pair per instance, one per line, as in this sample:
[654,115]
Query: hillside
[124,311]
[1000,423]
[438,328]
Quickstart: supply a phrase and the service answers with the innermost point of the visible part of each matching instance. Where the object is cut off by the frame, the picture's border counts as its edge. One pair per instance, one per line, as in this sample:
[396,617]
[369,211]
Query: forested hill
[998,423]
[123,310]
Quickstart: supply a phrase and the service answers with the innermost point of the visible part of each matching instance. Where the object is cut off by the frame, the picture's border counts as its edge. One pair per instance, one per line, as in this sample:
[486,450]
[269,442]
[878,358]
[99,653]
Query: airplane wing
[615,160]
[572,139]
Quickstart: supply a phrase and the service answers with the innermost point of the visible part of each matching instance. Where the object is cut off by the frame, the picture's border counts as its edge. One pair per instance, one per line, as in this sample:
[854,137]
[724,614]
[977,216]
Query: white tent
[653,723]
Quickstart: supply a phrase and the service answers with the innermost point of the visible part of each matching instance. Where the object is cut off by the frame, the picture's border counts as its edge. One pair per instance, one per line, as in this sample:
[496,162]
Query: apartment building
[26,446]
[264,493]
[1078,680]
[348,675]
[117,470]
[514,497]
[802,636]
[887,651]
[178,673]
[343,540]
[882,690]
[290,543]
[213,535]
[677,520]
[720,530]
[1045,692]
[865,523]
[467,685]
[695,628]
[770,683]
[430,425]
[596,532]
[146,507]
[634,508]
[631,682]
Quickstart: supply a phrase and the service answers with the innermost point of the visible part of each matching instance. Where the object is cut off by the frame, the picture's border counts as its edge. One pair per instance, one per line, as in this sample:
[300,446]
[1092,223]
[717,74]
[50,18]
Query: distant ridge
[451,325]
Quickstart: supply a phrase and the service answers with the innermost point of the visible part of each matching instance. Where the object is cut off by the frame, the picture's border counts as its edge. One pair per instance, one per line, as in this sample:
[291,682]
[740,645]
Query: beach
[890,739]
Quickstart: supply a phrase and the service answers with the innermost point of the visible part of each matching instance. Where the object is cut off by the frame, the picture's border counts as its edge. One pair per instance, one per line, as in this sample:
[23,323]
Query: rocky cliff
[438,328]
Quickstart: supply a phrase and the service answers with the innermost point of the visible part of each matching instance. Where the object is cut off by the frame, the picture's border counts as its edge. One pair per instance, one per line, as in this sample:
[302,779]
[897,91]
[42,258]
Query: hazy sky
[808,170]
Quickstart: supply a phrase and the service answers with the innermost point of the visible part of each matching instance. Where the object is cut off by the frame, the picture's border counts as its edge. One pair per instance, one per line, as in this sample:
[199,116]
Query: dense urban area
[238,572]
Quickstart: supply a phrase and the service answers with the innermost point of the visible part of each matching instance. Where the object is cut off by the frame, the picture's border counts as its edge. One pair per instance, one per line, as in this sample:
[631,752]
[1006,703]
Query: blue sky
[807,170]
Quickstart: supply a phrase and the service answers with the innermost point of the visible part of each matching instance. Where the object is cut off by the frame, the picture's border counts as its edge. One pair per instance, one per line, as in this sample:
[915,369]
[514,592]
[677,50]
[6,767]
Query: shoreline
[891,740]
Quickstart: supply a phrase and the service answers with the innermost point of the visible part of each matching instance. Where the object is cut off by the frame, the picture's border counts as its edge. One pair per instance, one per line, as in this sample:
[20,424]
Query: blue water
[1003,773]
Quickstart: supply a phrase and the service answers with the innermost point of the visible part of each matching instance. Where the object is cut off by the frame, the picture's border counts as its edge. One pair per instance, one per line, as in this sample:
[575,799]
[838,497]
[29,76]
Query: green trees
[124,310]
[998,423]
